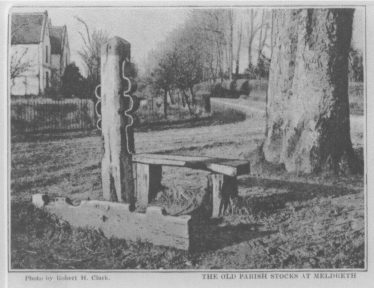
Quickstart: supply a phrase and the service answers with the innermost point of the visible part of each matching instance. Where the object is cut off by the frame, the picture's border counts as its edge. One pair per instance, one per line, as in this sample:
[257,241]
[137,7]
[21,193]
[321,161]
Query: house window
[46,54]
[47,79]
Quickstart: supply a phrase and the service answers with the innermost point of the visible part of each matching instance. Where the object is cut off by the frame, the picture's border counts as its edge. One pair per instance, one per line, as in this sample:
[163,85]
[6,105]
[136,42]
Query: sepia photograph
[187,138]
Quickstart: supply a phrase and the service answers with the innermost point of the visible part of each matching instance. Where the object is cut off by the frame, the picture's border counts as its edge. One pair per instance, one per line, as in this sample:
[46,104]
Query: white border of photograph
[186,278]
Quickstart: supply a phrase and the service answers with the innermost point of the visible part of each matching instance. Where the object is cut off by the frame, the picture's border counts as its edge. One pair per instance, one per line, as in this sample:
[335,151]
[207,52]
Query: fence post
[116,169]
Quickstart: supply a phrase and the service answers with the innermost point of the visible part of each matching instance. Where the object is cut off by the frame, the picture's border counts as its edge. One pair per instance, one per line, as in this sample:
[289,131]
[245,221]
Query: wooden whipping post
[117,133]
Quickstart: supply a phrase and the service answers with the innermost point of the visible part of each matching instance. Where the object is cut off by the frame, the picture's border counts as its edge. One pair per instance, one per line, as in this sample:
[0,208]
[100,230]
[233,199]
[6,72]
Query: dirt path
[209,135]
[251,108]
[257,109]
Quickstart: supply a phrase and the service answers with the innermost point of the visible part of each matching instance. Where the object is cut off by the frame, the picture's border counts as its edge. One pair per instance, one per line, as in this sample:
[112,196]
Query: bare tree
[264,26]
[231,40]
[237,60]
[90,51]
[18,64]
[267,90]
[163,76]
[252,31]
[216,29]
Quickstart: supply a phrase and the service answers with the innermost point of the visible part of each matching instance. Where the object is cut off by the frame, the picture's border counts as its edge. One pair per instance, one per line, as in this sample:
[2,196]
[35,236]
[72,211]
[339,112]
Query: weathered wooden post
[222,188]
[117,133]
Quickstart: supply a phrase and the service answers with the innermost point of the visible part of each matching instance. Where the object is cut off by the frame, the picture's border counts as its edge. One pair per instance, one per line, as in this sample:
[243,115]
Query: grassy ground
[279,220]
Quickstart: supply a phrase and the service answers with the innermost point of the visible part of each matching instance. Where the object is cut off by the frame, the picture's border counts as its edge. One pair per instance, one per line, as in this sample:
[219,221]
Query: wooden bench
[222,181]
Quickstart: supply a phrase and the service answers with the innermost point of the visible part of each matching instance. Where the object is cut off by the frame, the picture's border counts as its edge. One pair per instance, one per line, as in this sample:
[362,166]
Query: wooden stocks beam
[116,169]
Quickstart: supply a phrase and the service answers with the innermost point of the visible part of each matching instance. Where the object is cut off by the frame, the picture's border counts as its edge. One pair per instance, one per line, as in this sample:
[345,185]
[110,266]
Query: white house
[60,51]
[30,53]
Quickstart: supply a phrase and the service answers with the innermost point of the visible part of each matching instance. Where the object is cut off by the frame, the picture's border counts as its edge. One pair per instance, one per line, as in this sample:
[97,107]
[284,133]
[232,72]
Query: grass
[274,224]
[279,221]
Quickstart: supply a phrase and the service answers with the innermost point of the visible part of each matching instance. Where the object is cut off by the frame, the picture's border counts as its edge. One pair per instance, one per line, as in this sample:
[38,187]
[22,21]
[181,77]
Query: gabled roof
[28,28]
[56,34]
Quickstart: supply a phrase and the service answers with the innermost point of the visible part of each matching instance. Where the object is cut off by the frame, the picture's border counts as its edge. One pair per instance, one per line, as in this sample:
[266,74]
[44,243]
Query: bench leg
[222,188]
[148,182]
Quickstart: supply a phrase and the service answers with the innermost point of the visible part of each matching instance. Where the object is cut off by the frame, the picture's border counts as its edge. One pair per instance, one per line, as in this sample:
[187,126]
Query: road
[172,139]
[250,108]
[255,108]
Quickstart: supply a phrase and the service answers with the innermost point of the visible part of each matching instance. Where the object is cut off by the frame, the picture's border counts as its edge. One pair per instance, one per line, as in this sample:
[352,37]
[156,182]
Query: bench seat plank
[228,167]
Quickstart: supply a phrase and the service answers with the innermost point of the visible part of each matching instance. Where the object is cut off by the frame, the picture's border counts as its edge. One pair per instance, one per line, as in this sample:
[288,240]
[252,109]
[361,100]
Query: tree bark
[231,20]
[193,98]
[251,36]
[185,97]
[238,51]
[259,50]
[267,91]
[165,104]
[308,110]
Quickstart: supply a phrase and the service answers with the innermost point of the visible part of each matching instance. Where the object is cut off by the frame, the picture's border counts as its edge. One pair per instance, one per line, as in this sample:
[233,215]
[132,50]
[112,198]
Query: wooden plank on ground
[116,220]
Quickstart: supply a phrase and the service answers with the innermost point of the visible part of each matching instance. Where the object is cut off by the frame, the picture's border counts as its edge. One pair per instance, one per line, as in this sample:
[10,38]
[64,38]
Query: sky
[143,27]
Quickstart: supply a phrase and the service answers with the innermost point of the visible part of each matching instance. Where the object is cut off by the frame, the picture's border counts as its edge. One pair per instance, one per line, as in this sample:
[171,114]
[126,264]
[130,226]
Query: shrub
[73,83]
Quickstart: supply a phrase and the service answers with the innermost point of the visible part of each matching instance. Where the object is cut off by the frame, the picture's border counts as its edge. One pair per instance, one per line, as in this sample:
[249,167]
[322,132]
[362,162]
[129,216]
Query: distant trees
[200,50]
[189,68]
[178,68]
[209,36]
[163,76]
[257,26]
[264,28]
[252,31]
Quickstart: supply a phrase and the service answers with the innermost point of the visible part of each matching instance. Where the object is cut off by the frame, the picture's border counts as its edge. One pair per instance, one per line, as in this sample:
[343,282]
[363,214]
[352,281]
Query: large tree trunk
[308,124]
